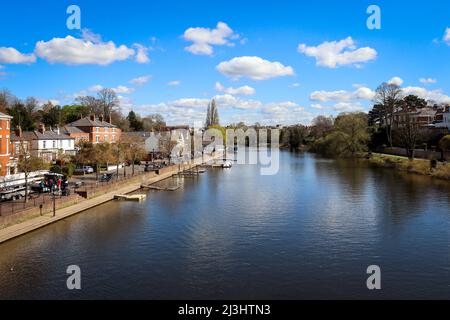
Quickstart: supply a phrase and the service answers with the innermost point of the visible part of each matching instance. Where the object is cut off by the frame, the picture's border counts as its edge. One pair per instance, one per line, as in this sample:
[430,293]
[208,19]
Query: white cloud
[348,107]
[427,80]
[241,91]
[140,80]
[88,35]
[203,39]
[447,36]
[295,85]
[361,93]
[338,53]
[174,83]
[229,101]
[436,96]
[142,53]
[12,56]
[123,90]
[73,51]
[254,68]
[396,81]
[96,88]
[317,106]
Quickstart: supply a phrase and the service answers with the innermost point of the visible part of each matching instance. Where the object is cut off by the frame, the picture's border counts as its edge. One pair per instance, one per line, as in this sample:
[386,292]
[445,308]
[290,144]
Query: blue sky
[247,54]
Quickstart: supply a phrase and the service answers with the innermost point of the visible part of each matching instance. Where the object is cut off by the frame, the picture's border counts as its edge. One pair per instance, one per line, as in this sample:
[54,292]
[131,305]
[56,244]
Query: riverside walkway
[32,224]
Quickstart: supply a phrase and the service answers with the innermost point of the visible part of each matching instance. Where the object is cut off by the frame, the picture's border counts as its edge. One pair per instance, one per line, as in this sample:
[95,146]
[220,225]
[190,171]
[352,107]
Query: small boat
[227,164]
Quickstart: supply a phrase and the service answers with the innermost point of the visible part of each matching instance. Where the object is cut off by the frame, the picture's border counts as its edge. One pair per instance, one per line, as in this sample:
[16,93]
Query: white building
[46,144]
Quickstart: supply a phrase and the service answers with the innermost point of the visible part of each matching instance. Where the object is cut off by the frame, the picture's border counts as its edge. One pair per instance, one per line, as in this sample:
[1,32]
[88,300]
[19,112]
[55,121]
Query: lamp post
[54,202]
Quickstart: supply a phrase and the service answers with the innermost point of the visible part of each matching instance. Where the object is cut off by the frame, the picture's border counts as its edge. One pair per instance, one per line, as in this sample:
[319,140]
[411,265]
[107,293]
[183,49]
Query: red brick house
[97,129]
[5,145]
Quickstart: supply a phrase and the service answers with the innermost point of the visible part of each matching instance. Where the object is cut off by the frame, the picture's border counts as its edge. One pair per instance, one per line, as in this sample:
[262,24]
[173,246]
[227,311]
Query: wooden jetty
[130,197]
[152,187]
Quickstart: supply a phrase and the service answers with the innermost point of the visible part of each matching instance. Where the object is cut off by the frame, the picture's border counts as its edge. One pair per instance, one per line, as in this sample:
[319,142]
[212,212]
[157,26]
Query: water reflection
[308,232]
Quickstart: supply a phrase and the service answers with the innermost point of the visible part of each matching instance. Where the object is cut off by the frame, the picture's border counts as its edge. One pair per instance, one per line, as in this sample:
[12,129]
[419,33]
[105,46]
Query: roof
[3,115]
[37,135]
[87,122]
[69,130]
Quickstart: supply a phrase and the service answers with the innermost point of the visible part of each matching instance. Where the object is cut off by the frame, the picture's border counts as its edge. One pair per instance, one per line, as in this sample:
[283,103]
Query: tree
[27,163]
[134,149]
[212,114]
[135,122]
[153,122]
[5,100]
[386,98]
[349,136]
[108,101]
[321,126]
[23,113]
[444,145]
[51,116]
[408,129]
[71,113]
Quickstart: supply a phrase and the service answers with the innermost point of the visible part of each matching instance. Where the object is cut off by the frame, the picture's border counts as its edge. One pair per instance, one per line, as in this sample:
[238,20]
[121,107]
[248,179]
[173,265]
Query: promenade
[32,224]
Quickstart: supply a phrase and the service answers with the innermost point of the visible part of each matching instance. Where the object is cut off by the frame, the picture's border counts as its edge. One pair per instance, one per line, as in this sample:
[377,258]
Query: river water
[309,231]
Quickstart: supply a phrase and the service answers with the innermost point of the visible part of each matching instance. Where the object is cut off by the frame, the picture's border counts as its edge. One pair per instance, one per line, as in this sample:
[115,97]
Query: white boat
[227,164]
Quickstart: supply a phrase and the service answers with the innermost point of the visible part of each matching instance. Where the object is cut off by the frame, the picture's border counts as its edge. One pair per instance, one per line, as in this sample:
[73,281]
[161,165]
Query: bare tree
[108,101]
[387,97]
[26,162]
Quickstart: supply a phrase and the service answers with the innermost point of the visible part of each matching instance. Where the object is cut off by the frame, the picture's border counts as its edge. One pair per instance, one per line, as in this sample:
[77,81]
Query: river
[308,232]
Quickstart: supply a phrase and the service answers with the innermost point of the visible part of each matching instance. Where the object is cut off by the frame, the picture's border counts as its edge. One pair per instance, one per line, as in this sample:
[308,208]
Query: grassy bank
[417,166]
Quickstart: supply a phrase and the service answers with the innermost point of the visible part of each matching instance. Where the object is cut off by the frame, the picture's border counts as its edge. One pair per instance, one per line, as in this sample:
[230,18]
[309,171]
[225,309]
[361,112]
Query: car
[84,170]
[106,177]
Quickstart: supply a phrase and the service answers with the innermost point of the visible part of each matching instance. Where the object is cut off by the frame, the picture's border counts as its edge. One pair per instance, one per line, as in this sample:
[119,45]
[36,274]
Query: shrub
[56,169]
[69,169]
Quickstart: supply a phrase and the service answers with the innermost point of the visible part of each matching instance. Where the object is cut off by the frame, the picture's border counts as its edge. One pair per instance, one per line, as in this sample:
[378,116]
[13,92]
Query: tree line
[30,112]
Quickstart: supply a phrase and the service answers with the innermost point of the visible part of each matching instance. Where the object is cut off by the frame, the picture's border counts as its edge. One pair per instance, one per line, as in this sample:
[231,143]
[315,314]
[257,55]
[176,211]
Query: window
[113,138]
[54,144]
[97,139]
[106,129]
[113,129]
[97,129]
[45,144]
[106,138]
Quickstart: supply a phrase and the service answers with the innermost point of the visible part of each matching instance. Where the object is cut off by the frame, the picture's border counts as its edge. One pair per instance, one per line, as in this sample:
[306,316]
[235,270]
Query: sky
[272,62]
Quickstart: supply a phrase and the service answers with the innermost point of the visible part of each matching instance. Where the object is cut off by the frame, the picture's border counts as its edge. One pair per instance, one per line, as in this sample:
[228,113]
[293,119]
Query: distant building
[5,150]
[98,130]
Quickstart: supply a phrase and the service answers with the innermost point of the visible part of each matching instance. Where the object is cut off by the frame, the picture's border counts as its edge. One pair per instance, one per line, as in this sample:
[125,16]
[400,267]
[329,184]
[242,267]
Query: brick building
[5,148]
[98,129]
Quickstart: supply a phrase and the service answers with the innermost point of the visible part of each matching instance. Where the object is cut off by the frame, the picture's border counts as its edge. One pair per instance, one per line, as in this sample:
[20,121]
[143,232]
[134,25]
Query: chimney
[42,128]
[18,131]
[58,131]
[92,117]
[100,118]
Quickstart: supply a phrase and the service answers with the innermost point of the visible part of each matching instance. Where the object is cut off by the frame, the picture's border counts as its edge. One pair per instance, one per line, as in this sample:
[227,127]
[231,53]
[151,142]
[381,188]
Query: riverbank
[416,166]
[34,222]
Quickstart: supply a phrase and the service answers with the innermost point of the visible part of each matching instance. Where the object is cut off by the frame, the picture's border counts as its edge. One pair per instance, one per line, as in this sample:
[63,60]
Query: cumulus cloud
[295,85]
[140,81]
[241,91]
[427,80]
[123,90]
[203,39]
[436,96]
[254,68]
[338,53]
[12,56]
[396,81]
[348,107]
[142,53]
[317,106]
[361,93]
[73,51]
[174,83]
[96,88]
[447,36]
